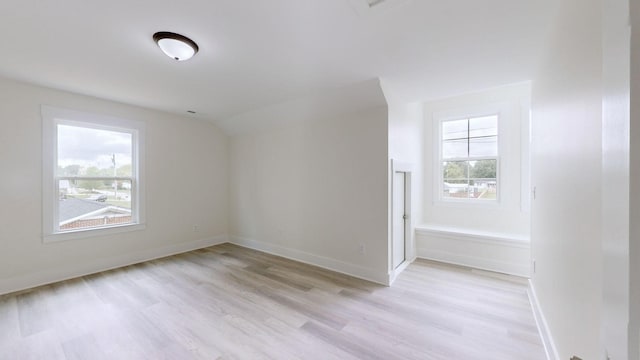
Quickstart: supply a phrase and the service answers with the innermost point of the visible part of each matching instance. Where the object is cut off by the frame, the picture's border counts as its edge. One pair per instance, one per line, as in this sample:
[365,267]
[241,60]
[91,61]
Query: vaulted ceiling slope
[254,53]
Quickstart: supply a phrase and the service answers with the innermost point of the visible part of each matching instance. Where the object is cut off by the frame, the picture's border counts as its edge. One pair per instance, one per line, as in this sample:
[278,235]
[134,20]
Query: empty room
[305,179]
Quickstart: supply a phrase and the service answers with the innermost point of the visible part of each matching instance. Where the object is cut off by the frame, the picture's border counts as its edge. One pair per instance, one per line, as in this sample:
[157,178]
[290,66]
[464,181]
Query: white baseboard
[319,261]
[509,254]
[71,271]
[474,262]
[541,322]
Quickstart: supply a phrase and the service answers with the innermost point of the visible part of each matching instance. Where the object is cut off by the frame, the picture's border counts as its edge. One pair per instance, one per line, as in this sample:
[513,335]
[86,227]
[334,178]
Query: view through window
[469,158]
[94,176]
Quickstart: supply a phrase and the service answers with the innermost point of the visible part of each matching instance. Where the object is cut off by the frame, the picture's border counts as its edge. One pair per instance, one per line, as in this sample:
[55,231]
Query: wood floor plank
[34,312]
[9,321]
[229,302]
[41,345]
[84,347]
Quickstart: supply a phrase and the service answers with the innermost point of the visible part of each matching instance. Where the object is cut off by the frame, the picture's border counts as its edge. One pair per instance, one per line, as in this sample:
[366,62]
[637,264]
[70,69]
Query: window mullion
[451,179]
[118,178]
[468,138]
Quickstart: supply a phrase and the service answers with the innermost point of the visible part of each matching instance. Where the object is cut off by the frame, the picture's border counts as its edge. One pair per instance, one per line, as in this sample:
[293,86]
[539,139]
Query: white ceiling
[254,53]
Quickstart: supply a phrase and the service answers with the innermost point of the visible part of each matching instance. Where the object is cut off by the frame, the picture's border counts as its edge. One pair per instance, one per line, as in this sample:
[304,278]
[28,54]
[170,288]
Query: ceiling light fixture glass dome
[175,46]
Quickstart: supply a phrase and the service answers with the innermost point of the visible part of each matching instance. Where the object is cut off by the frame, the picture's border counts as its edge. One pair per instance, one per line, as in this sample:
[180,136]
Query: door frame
[407,169]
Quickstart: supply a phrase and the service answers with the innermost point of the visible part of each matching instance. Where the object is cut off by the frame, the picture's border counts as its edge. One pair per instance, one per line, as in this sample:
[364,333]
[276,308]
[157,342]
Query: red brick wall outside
[85,223]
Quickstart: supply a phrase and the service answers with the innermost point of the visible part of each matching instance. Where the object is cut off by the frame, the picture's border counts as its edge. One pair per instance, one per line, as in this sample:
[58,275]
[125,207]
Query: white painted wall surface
[507,216]
[406,145]
[186,185]
[634,231]
[615,179]
[566,171]
[315,191]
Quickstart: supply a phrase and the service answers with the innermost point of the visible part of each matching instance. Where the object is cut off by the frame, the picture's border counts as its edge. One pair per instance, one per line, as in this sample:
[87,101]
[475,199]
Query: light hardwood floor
[227,302]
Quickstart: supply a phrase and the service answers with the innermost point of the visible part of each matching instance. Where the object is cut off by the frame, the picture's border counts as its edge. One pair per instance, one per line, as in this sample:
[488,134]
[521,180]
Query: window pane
[455,129]
[95,203]
[483,126]
[455,149]
[455,189]
[92,152]
[483,146]
[456,179]
[483,178]
[483,169]
[455,170]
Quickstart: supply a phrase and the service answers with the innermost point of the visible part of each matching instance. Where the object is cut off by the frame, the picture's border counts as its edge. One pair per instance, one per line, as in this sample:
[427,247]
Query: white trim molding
[73,270]
[505,253]
[393,274]
[541,323]
[467,112]
[409,248]
[52,117]
[312,259]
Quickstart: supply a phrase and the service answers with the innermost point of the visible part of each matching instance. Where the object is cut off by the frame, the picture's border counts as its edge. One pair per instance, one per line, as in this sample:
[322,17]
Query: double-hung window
[92,174]
[469,158]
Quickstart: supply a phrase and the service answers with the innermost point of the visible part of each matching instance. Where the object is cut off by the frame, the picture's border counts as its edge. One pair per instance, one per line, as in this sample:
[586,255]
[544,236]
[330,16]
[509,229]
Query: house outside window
[92,174]
[469,159]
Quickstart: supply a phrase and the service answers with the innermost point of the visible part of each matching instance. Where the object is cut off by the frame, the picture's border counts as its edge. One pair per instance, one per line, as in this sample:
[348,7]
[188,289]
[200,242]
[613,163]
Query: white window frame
[51,118]
[472,112]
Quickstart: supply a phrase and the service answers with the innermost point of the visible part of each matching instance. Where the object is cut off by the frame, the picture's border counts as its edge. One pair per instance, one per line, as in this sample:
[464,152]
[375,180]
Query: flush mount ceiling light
[176,46]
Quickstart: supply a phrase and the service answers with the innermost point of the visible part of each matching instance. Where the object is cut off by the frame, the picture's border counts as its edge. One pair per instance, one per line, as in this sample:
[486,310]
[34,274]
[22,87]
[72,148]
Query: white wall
[186,185]
[634,234]
[509,216]
[406,145]
[566,171]
[615,179]
[315,189]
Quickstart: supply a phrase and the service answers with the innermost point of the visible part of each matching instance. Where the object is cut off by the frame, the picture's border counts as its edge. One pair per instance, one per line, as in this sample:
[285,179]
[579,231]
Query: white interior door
[399,219]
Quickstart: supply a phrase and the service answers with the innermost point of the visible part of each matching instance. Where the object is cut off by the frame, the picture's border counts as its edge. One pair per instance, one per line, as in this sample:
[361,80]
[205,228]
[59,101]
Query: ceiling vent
[364,7]
[373,3]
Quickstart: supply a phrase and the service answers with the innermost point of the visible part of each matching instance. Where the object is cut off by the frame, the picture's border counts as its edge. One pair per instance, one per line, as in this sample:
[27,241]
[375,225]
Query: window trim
[51,117]
[460,114]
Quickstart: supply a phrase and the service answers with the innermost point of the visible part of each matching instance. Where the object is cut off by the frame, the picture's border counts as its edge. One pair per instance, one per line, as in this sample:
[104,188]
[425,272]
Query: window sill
[513,240]
[487,204]
[82,234]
